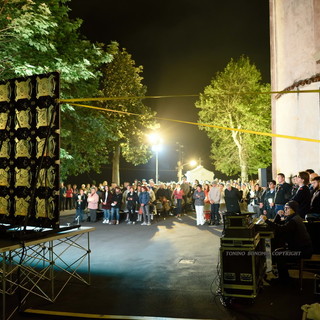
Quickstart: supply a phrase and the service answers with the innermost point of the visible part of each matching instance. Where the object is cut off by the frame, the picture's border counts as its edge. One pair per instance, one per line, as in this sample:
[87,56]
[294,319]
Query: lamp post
[156,142]
[156,148]
[180,167]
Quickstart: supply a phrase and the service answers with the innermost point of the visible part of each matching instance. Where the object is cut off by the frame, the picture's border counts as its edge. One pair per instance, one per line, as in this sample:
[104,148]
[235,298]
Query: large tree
[232,100]
[121,78]
[37,37]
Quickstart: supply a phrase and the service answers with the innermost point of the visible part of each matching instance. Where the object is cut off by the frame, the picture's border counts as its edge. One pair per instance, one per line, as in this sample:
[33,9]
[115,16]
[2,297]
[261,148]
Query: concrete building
[295,65]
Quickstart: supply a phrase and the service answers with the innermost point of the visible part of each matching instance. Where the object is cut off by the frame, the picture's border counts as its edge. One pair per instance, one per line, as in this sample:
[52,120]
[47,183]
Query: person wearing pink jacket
[93,203]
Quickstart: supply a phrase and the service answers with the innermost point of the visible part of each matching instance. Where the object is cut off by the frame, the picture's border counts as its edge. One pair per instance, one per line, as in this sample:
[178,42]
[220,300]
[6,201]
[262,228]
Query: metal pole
[157,167]
[179,167]
[4,276]
[51,261]
[89,262]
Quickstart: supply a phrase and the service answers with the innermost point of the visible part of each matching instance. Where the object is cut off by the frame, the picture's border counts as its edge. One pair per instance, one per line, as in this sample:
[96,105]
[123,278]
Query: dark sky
[181,44]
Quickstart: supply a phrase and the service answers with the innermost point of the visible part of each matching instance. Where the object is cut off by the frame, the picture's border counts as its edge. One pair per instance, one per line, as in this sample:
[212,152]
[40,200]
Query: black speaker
[262,176]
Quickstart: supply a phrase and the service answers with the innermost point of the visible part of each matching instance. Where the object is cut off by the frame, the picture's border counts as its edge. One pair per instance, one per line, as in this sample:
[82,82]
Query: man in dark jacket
[303,195]
[232,198]
[132,200]
[116,202]
[283,193]
[315,200]
[292,240]
[81,202]
[268,200]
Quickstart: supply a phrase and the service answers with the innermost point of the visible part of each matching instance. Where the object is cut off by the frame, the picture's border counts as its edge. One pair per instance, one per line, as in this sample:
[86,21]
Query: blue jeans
[106,214]
[145,213]
[115,213]
[215,216]
[79,213]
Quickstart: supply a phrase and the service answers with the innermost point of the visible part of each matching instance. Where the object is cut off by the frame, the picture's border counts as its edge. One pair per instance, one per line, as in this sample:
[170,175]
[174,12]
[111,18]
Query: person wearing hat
[291,238]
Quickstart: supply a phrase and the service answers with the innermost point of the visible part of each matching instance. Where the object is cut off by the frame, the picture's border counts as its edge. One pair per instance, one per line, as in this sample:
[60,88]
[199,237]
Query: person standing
[268,201]
[80,200]
[199,197]
[207,205]
[164,197]
[62,196]
[315,200]
[125,191]
[232,198]
[75,192]
[69,197]
[295,186]
[283,193]
[222,207]
[178,196]
[93,203]
[245,197]
[303,195]
[152,203]
[256,199]
[185,186]
[144,199]
[214,198]
[132,199]
[106,199]
[116,203]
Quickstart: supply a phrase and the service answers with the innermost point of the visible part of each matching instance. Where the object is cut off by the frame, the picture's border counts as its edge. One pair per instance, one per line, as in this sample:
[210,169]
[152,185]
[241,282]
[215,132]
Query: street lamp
[180,166]
[156,142]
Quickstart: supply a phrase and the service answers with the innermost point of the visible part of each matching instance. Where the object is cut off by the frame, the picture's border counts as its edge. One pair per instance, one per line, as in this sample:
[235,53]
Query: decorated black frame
[30,151]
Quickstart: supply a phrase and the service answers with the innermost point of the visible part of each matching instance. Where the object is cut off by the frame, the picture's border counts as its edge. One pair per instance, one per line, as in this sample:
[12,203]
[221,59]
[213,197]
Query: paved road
[167,269]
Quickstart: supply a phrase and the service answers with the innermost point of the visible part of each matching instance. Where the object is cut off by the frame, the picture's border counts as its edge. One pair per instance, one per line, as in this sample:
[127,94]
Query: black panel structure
[29,151]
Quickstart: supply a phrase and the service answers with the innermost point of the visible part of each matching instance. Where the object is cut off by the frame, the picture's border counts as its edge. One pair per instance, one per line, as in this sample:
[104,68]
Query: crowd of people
[141,200]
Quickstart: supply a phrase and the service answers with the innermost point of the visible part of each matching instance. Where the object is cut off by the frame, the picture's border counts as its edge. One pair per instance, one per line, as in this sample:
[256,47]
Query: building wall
[295,65]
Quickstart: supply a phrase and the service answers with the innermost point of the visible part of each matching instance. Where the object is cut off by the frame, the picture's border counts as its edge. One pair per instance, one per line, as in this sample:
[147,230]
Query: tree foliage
[227,102]
[121,78]
[37,36]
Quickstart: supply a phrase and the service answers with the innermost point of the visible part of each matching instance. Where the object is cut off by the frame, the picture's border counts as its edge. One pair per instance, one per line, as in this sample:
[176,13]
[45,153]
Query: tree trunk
[116,165]
[242,159]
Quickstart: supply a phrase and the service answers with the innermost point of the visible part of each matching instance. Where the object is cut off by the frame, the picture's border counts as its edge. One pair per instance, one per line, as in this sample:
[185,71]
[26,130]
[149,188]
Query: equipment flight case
[242,258]
[242,269]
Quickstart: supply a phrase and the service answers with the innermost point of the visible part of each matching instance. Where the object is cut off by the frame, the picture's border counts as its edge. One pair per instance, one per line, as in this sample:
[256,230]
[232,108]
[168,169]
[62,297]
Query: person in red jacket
[69,197]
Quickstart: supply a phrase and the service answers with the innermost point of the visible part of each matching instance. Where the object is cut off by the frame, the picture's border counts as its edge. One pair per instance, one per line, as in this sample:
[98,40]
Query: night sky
[181,44]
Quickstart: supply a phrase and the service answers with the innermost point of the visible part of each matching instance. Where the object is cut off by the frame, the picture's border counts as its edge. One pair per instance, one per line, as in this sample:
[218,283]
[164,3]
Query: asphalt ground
[166,270]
